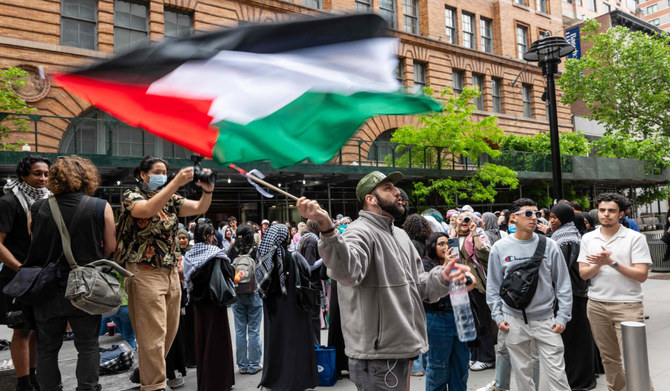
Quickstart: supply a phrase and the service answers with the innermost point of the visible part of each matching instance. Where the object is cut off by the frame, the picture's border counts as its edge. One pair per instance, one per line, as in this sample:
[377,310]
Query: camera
[199,174]
[466,219]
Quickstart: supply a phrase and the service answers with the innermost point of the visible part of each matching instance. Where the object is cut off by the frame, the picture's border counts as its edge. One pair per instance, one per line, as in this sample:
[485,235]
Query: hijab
[491,227]
[272,251]
[567,232]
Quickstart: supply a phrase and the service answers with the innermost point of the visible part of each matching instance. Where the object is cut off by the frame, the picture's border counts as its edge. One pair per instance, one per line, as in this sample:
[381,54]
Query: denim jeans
[51,318]
[248,312]
[447,356]
[123,326]
[420,363]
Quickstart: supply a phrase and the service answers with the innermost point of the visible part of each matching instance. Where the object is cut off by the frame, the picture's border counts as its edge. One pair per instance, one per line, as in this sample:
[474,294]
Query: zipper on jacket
[379,326]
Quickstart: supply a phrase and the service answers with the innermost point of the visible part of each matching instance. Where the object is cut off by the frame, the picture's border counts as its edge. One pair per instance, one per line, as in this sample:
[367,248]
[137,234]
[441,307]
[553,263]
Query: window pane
[450,23]
[363,5]
[457,76]
[311,3]
[521,40]
[526,96]
[495,94]
[486,35]
[387,11]
[478,81]
[468,31]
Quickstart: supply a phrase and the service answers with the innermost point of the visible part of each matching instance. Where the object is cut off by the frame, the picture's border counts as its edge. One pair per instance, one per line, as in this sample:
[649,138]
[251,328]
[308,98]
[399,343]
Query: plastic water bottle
[460,302]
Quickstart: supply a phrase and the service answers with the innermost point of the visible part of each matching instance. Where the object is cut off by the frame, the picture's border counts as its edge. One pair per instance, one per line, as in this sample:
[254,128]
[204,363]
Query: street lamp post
[547,51]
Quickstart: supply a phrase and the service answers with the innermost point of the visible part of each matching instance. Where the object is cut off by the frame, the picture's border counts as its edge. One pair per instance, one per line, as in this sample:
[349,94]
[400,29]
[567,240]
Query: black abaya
[289,359]
[578,345]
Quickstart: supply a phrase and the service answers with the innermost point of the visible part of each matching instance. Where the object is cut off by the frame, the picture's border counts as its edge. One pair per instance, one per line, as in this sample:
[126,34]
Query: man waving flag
[281,92]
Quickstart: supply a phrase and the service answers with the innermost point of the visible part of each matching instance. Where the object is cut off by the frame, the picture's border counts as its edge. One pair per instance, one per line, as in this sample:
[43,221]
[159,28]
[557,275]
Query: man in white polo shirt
[616,259]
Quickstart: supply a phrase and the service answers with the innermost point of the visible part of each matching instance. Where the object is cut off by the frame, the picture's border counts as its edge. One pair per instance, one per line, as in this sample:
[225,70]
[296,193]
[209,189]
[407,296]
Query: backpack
[245,266]
[520,283]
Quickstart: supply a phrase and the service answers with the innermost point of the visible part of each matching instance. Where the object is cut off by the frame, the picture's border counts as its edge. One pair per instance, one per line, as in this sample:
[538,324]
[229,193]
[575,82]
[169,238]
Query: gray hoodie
[553,272]
[381,288]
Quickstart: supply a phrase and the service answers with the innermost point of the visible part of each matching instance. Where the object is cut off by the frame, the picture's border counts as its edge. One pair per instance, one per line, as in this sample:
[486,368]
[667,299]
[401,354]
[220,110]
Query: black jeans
[51,319]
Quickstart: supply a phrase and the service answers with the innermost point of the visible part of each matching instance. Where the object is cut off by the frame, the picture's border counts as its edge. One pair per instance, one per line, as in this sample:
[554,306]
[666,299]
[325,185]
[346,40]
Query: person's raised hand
[311,209]
[206,185]
[454,271]
[184,176]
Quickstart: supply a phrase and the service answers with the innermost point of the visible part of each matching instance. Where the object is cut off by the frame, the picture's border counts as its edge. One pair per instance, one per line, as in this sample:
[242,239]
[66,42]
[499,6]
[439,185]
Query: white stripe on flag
[248,86]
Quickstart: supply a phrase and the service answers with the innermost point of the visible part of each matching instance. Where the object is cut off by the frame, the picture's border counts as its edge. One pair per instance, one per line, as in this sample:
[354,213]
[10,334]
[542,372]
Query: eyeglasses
[529,213]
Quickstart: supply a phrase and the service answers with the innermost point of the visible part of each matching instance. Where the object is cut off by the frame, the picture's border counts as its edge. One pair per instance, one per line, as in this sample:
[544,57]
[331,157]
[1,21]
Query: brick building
[442,44]
[656,13]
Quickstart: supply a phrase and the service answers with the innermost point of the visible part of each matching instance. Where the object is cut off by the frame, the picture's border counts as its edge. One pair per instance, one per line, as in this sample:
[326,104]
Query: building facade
[443,44]
[656,13]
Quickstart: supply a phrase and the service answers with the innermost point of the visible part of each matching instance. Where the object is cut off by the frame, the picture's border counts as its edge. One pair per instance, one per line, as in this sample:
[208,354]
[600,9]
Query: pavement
[656,291]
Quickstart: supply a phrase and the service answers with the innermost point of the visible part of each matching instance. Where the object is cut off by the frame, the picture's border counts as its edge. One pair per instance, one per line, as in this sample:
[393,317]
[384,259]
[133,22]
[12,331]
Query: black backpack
[520,283]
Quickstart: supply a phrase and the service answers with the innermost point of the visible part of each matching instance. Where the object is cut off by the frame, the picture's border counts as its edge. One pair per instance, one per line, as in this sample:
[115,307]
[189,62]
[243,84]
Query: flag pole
[262,182]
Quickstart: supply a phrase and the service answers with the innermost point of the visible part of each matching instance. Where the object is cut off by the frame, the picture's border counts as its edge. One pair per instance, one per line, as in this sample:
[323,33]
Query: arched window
[382,146]
[89,134]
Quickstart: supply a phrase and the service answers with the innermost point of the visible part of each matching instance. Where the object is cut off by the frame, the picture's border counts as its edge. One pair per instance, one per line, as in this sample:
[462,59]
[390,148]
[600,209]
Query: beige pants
[606,321]
[154,295]
[520,340]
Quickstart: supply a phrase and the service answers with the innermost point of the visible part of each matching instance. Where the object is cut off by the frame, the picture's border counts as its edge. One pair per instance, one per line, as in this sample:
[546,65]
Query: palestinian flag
[281,92]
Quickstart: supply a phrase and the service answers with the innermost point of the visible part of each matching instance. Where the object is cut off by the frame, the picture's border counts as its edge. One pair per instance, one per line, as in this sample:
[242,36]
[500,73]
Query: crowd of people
[383,280]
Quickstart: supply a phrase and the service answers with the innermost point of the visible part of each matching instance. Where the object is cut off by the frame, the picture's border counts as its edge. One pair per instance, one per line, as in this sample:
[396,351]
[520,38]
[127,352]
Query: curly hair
[72,174]
[417,227]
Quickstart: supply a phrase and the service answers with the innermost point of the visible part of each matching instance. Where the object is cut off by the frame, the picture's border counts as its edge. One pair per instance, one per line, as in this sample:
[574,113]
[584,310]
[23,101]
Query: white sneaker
[480,366]
[176,382]
[489,387]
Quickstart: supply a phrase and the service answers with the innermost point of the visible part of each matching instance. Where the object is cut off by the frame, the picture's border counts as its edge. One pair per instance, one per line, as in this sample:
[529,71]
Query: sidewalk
[658,341]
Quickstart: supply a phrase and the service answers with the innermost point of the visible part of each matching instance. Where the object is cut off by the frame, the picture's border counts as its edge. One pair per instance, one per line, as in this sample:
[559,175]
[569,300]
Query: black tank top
[86,236]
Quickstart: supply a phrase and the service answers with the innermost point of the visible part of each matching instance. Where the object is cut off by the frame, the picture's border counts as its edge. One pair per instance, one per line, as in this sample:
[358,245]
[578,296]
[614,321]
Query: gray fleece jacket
[509,251]
[381,288]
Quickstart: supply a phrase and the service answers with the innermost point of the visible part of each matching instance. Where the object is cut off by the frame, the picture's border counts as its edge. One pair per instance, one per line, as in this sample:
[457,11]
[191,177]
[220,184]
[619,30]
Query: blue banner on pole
[572,36]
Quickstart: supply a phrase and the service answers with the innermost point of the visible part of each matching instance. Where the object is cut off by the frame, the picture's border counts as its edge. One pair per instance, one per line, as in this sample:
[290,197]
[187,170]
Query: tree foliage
[11,80]
[571,144]
[453,133]
[624,79]
[622,145]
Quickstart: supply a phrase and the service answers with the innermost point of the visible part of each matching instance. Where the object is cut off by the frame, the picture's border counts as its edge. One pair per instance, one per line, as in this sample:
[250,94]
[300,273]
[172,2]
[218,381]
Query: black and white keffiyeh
[26,194]
[271,253]
[199,255]
[566,233]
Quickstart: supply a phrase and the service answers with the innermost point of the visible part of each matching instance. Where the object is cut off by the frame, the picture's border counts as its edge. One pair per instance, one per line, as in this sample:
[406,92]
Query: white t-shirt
[627,247]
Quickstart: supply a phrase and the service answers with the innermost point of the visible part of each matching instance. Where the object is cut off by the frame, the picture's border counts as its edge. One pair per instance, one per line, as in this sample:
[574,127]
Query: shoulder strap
[539,250]
[64,234]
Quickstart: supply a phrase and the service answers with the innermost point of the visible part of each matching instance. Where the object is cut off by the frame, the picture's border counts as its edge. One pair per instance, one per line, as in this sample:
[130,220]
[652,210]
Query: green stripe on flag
[314,127]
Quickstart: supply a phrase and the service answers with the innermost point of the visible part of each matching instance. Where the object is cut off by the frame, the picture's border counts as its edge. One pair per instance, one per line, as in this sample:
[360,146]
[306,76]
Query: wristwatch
[614,264]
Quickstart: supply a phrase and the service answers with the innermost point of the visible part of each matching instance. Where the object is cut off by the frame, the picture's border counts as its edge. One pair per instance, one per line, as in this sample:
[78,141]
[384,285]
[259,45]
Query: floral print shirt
[148,241]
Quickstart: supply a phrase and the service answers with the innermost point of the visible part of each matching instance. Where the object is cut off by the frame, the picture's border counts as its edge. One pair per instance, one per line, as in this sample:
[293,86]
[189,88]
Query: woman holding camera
[148,247]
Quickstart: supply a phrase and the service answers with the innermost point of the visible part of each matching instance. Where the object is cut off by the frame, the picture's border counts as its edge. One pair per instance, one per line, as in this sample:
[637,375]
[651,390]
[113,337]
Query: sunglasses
[529,213]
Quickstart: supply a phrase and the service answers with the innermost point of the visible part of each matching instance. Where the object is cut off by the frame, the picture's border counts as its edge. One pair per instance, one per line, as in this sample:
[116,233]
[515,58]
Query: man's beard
[393,208]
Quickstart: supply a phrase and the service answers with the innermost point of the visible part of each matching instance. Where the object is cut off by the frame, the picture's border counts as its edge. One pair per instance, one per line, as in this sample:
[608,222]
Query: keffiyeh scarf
[198,256]
[566,233]
[271,253]
[26,194]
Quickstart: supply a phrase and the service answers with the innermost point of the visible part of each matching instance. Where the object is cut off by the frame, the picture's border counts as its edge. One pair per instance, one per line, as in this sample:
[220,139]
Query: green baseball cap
[370,181]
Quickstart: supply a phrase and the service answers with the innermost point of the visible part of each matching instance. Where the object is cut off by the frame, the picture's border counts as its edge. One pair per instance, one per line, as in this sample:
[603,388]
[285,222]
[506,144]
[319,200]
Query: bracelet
[326,232]
[207,192]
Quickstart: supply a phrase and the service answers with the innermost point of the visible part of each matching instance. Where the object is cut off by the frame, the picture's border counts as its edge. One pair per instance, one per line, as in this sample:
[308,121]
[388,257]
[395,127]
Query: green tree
[12,80]
[624,79]
[452,133]
[571,144]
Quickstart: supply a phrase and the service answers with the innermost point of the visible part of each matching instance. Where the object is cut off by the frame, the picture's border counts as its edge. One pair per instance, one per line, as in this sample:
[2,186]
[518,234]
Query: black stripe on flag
[147,63]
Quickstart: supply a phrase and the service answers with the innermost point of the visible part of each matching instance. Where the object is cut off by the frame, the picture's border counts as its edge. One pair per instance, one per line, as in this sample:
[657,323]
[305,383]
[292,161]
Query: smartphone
[453,245]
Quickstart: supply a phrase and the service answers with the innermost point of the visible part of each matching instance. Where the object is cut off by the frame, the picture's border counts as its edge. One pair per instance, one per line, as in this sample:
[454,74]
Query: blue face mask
[156,181]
